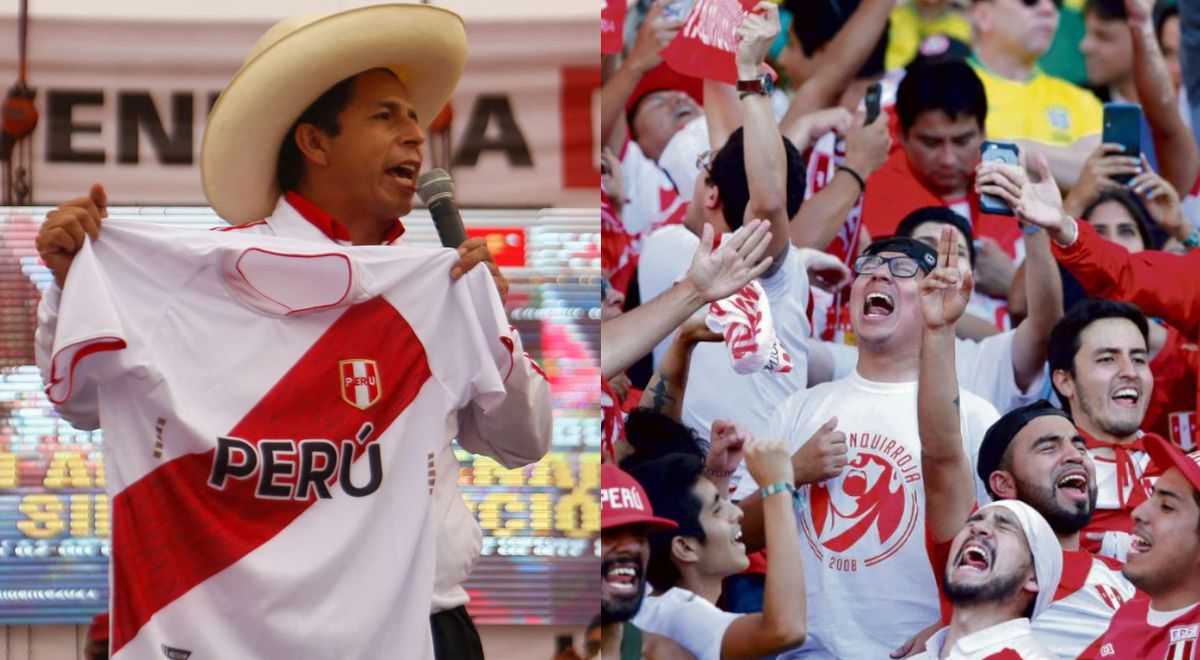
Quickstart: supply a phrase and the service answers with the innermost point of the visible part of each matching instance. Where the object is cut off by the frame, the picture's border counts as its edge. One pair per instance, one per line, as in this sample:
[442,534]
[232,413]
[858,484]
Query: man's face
[624,552]
[942,151]
[659,116]
[990,560]
[1107,49]
[1112,221]
[1112,383]
[885,310]
[612,304]
[1170,49]
[376,156]
[721,554]
[1013,27]
[931,232]
[1053,472]
[1166,539]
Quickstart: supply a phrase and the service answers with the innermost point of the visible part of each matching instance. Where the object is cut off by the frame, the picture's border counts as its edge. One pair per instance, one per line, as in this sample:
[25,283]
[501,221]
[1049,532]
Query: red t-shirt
[1172,409]
[893,192]
[1131,636]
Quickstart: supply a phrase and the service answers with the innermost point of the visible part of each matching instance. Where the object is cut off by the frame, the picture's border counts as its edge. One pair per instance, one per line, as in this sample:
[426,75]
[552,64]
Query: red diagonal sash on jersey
[171,531]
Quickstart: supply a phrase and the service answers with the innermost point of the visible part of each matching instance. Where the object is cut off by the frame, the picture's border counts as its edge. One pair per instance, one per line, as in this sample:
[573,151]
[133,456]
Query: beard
[1108,422]
[618,608]
[1063,520]
[999,589]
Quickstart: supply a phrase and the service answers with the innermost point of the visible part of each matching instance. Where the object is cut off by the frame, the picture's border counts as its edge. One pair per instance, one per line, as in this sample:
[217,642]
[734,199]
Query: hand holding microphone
[437,191]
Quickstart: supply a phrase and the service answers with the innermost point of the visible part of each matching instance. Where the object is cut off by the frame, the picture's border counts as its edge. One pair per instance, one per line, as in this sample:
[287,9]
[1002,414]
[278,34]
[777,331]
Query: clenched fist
[822,457]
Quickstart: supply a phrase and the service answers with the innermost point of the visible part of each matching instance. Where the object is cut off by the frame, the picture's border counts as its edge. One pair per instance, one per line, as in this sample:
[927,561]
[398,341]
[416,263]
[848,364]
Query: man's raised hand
[945,291]
[62,234]
[717,274]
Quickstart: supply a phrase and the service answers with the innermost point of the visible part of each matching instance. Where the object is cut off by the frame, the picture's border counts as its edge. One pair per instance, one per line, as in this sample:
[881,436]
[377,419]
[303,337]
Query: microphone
[437,191]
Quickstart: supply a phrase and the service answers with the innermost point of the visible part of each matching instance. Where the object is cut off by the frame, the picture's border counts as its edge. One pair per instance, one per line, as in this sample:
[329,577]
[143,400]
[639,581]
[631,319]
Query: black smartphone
[1004,152]
[1123,126]
[563,642]
[872,101]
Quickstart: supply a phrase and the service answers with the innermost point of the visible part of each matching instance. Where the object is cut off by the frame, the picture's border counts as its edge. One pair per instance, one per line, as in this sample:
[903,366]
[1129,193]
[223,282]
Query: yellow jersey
[1041,108]
[907,29]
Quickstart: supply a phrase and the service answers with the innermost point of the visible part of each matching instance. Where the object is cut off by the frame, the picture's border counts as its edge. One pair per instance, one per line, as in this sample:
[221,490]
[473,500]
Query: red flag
[612,25]
[705,47]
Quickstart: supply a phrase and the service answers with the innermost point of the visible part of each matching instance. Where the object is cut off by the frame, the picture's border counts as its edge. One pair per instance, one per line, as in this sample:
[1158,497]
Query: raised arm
[713,275]
[664,392]
[653,35]
[766,161]
[946,470]
[782,623]
[842,58]
[1178,156]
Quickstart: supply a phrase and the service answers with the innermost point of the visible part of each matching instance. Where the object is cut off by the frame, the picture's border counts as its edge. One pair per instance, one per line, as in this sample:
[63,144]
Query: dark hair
[949,85]
[669,481]
[1162,12]
[941,215]
[323,114]
[654,435]
[816,23]
[728,173]
[1131,204]
[1065,340]
[1106,10]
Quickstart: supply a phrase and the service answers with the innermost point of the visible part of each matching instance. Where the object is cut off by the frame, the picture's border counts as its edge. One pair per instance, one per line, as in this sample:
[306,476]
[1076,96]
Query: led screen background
[540,562]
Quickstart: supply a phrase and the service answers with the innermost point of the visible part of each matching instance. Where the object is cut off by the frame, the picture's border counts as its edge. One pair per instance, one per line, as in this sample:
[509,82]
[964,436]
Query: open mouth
[623,578]
[1139,544]
[404,172]
[1127,397]
[974,557]
[878,305]
[1074,484]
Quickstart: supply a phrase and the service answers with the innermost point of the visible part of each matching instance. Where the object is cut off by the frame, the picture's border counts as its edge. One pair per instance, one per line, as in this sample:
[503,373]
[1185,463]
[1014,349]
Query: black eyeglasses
[704,161]
[899,266]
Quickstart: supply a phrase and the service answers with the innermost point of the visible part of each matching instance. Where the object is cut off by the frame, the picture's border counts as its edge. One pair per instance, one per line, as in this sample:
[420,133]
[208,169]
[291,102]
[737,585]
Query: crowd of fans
[851,413]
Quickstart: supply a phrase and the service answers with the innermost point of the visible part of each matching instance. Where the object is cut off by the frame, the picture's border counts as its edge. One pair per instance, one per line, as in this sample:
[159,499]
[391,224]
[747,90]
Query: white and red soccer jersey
[1010,640]
[1089,593]
[866,569]
[1121,485]
[272,408]
[1133,635]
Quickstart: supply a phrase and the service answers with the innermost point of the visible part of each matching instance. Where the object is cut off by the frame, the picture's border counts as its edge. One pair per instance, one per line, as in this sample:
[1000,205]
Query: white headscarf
[1043,545]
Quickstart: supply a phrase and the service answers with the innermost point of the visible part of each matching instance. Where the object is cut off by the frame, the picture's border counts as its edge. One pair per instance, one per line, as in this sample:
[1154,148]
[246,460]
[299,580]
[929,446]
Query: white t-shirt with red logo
[867,572]
[268,402]
[1091,590]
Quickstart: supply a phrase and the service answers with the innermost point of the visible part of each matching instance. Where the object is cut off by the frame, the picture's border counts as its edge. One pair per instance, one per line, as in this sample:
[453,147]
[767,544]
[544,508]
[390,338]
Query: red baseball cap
[624,502]
[660,78]
[1166,455]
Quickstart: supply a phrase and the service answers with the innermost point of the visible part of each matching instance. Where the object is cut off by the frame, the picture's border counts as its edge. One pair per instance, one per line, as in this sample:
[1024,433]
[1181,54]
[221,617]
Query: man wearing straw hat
[319,138]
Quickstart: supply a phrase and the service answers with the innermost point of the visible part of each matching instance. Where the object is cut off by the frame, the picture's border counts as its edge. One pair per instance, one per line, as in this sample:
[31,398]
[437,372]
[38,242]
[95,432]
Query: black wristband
[862,183]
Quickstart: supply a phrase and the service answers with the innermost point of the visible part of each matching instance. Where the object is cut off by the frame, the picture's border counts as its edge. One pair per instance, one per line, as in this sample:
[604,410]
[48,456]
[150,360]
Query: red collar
[328,224]
[1138,444]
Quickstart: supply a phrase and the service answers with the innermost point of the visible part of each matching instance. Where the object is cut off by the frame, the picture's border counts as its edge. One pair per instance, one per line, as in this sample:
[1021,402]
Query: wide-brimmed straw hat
[297,61]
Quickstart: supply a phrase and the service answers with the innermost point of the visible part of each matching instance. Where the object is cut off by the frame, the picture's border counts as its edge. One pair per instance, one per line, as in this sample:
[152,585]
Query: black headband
[926,256]
[1000,435]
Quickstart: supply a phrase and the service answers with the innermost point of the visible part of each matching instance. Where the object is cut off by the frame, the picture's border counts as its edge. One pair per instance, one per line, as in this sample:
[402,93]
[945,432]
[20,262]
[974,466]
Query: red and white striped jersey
[272,408]
[1121,485]
[1131,635]
[1089,593]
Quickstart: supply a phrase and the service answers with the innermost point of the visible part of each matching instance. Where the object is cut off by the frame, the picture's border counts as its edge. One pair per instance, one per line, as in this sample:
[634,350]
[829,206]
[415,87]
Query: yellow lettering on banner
[589,470]
[45,516]
[101,476]
[8,470]
[491,512]
[564,474]
[68,469]
[483,472]
[103,523]
[81,515]
[541,512]
[577,515]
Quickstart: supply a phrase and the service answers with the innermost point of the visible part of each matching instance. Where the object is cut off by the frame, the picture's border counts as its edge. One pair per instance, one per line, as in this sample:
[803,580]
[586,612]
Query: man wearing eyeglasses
[867,573]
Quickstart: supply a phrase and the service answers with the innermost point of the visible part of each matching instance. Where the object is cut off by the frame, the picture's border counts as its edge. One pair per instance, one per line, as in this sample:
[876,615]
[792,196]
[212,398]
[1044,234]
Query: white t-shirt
[648,191]
[666,256]
[984,368]
[1014,635]
[694,623]
[268,402]
[1090,592]
[866,568]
